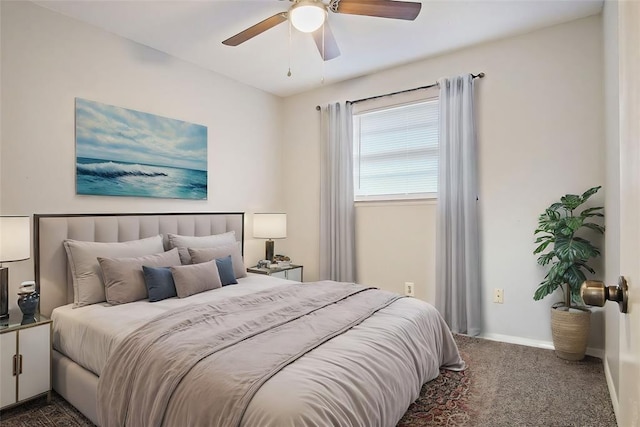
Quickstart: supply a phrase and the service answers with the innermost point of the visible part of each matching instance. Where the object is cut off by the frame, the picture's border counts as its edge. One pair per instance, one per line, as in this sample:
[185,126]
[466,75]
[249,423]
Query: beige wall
[49,59]
[395,245]
[1,44]
[540,135]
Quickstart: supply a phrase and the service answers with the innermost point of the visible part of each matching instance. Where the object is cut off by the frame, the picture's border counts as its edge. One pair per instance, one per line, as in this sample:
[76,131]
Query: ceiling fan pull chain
[323,61]
[289,73]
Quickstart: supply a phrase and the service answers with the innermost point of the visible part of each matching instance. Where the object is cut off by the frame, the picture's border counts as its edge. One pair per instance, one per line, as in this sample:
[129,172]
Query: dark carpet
[504,385]
[507,385]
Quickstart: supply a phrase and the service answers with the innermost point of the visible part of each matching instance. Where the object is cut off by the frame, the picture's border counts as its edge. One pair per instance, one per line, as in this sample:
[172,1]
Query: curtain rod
[475,76]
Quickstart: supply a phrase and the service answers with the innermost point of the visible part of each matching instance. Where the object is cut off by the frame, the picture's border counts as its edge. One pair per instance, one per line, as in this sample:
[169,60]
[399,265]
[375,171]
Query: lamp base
[4,292]
[269,244]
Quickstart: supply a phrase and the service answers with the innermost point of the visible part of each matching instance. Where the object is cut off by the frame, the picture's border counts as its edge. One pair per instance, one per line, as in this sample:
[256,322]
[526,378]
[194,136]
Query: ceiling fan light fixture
[308,15]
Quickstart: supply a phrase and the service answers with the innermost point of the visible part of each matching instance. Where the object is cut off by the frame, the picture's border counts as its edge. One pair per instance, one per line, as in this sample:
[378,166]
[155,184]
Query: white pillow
[212,241]
[88,286]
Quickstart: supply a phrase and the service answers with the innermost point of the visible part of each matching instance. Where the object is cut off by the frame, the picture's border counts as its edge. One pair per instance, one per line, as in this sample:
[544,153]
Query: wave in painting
[113,178]
[113,170]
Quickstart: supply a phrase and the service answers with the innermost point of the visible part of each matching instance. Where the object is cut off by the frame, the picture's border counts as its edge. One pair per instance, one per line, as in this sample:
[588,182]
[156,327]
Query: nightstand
[291,272]
[25,358]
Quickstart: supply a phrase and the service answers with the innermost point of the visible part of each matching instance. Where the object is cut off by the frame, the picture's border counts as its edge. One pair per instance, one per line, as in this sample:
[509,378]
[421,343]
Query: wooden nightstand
[25,358]
[291,272]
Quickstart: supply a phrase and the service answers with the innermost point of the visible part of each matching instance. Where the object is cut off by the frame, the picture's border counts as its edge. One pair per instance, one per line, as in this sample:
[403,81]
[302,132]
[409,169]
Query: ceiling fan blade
[330,47]
[381,8]
[259,28]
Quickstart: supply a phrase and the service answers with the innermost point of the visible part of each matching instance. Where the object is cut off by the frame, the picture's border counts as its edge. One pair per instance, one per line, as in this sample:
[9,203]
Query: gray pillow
[212,241]
[199,255]
[88,287]
[195,278]
[124,278]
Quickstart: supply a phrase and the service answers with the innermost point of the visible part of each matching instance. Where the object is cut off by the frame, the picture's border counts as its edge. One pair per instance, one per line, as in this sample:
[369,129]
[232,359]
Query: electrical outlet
[408,289]
[498,296]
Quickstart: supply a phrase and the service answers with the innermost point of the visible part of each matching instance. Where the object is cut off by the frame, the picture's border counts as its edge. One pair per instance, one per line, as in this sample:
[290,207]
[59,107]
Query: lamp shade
[308,15]
[15,238]
[270,225]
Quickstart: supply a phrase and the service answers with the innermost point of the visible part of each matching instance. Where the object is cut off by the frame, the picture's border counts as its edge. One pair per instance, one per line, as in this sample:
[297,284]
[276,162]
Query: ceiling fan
[309,16]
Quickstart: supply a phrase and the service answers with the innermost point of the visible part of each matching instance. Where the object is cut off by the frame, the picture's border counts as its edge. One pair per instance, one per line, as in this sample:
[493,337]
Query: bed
[365,371]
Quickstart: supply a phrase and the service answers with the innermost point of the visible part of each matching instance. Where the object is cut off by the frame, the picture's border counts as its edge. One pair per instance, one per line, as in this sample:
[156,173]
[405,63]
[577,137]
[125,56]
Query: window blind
[396,152]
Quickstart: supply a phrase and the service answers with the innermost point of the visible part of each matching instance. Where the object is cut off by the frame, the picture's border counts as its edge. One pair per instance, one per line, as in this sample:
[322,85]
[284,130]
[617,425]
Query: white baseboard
[595,352]
[612,388]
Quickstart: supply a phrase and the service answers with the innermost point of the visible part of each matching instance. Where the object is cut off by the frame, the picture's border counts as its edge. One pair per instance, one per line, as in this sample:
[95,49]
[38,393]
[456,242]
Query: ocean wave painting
[122,152]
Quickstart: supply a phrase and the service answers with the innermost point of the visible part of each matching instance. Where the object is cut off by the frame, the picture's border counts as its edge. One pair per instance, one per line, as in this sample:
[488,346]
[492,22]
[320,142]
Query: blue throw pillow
[159,282]
[225,270]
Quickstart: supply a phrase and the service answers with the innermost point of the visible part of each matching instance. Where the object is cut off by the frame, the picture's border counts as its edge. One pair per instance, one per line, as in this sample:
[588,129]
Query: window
[395,152]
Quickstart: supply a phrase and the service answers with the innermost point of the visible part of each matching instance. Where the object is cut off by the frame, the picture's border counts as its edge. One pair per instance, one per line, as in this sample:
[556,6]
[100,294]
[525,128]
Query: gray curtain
[337,230]
[458,295]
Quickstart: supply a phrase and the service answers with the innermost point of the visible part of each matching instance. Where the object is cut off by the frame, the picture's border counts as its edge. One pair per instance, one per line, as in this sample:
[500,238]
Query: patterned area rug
[442,402]
[37,413]
[504,385]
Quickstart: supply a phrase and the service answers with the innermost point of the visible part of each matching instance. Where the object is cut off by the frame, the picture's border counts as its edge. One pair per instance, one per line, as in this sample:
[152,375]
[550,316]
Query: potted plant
[563,247]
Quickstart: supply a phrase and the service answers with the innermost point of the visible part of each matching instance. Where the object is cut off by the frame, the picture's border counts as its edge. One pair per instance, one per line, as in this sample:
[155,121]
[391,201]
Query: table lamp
[269,226]
[15,245]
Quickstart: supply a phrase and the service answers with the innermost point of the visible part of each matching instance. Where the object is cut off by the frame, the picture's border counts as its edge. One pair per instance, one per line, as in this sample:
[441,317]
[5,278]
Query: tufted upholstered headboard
[51,270]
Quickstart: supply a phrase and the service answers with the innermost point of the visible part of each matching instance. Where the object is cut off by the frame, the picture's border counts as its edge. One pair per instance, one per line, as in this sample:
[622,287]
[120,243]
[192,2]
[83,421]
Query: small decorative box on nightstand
[290,272]
[25,358]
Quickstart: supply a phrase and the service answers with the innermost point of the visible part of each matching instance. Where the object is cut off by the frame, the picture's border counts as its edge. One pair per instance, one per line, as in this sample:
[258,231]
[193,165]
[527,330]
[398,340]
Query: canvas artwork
[122,152]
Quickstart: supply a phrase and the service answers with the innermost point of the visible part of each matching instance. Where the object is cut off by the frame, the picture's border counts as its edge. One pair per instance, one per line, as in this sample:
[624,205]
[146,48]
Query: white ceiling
[194,31]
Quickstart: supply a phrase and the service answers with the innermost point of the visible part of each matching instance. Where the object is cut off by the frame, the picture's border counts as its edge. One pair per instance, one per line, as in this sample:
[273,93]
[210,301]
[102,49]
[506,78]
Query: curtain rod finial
[317,108]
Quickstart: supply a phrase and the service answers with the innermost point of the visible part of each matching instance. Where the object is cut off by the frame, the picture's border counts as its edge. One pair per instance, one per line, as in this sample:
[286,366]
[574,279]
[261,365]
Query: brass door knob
[594,292]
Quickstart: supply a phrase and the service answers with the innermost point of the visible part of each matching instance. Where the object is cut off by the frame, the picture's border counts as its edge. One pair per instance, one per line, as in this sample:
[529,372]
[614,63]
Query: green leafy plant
[560,247]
